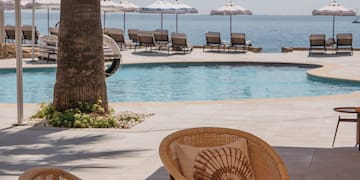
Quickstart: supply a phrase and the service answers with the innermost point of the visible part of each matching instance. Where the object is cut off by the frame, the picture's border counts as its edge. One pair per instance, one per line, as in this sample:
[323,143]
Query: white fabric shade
[231,8]
[180,6]
[159,7]
[334,9]
[126,6]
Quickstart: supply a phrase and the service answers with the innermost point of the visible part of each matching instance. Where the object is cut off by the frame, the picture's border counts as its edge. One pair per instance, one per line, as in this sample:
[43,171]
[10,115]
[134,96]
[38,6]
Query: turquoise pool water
[184,82]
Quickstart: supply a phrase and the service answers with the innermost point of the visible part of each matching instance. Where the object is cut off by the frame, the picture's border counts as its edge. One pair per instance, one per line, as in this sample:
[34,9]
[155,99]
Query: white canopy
[178,5]
[159,7]
[231,8]
[334,9]
[126,6]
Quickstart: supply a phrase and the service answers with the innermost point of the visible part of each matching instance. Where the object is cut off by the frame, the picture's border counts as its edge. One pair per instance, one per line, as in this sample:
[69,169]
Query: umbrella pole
[230,24]
[104,19]
[161,21]
[177,22]
[124,22]
[48,19]
[2,22]
[333,32]
[19,69]
[33,33]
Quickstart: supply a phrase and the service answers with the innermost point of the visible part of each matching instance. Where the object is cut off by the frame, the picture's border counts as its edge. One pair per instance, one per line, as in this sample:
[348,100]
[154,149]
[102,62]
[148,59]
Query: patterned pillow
[227,162]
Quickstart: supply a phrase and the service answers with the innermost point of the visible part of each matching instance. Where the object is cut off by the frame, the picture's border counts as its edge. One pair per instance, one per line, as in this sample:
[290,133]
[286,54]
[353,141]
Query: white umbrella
[107,6]
[126,6]
[231,9]
[159,7]
[182,8]
[42,4]
[333,9]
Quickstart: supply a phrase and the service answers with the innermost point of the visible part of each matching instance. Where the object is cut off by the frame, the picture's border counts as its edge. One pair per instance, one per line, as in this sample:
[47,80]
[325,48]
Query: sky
[264,7]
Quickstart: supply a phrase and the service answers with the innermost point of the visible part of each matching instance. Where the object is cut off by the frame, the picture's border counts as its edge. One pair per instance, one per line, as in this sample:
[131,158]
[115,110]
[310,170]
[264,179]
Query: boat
[357,20]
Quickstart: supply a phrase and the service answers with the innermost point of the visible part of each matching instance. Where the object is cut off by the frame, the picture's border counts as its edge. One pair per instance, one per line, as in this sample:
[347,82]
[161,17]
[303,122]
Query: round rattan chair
[47,173]
[265,162]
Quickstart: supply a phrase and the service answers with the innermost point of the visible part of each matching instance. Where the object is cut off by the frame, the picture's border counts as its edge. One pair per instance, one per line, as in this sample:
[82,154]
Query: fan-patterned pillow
[227,162]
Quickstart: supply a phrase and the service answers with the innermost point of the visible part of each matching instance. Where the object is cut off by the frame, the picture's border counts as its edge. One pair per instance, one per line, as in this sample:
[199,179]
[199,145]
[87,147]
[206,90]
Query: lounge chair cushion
[211,162]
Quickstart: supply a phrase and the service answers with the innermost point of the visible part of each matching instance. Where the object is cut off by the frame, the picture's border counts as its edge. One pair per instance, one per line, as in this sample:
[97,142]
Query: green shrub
[86,116]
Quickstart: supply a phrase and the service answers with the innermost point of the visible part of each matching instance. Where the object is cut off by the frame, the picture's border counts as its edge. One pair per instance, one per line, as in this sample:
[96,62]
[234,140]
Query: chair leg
[336,130]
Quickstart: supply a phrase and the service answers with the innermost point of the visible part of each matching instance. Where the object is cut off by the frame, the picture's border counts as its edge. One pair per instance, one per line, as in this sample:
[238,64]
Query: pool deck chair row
[26,31]
[343,43]
[237,42]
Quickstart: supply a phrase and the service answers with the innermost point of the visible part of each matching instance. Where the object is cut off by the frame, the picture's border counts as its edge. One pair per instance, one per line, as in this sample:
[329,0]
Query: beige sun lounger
[238,41]
[146,39]
[54,31]
[344,41]
[179,43]
[117,35]
[9,33]
[213,39]
[27,33]
[317,42]
[161,36]
[133,35]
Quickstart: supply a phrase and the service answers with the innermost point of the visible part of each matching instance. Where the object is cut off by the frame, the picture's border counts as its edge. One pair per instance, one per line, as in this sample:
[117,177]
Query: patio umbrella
[159,7]
[108,6]
[231,9]
[42,4]
[333,9]
[126,6]
[181,8]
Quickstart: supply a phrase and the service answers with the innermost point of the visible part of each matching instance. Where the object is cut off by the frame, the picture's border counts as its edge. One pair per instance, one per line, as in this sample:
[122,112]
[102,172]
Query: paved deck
[300,129]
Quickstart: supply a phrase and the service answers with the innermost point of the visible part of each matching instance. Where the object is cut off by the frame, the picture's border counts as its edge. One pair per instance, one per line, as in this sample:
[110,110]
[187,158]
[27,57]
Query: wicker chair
[48,173]
[265,162]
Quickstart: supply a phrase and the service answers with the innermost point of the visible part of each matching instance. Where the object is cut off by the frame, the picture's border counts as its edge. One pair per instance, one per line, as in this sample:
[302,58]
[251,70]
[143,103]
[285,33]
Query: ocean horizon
[270,32]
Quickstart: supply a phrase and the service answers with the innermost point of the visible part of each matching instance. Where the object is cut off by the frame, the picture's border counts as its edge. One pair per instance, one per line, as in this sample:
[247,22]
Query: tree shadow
[309,163]
[22,149]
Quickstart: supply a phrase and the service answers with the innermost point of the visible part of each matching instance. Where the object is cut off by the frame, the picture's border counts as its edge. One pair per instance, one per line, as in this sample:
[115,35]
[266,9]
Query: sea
[270,32]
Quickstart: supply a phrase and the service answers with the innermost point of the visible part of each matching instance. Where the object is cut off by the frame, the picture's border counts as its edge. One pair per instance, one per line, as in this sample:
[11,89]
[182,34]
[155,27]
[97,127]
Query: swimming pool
[184,82]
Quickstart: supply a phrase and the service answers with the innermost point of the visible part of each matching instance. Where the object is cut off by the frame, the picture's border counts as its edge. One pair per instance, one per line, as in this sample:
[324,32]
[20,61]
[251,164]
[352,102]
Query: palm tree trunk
[80,73]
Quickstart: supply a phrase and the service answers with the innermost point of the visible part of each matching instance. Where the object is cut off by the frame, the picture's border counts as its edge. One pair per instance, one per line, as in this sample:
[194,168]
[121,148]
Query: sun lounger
[344,42]
[213,39]
[133,35]
[317,42]
[10,33]
[27,33]
[146,39]
[117,35]
[179,43]
[238,41]
[54,31]
[49,48]
[161,37]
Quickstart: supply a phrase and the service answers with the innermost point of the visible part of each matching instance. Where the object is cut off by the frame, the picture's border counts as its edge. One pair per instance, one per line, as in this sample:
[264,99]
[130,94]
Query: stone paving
[300,129]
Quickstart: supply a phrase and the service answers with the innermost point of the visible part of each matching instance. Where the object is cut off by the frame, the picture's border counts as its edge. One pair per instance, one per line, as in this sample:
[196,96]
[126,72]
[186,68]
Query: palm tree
[80,73]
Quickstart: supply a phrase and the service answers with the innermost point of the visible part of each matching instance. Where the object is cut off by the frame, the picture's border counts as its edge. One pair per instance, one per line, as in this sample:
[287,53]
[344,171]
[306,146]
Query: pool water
[184,82]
